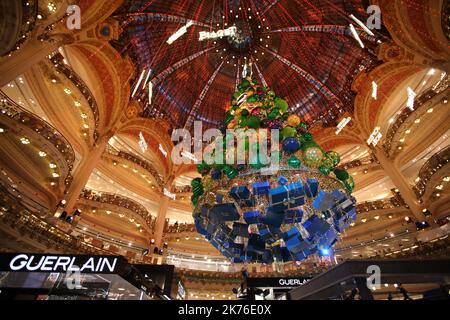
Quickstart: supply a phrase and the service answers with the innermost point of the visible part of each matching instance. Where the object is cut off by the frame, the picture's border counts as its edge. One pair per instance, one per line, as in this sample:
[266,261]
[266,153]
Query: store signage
[276,282]
[25,262]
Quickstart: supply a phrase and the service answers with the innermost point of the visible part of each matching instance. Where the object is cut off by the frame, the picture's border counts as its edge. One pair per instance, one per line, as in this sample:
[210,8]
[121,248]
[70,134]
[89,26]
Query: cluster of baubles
[298,199]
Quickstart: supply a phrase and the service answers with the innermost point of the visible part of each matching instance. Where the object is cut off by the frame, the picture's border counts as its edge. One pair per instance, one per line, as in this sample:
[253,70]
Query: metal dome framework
[303,51]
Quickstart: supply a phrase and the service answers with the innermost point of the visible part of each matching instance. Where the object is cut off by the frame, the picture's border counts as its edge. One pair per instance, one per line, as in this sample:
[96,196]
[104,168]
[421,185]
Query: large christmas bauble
[312,156]
[291,145]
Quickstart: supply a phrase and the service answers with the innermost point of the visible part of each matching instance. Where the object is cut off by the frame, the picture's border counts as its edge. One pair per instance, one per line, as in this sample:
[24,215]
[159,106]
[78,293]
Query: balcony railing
[16,216]
[430,168]
[123,202]
[377,205]
[12,110]
[147,166]
[406,113]
[58,62]
[183,189]
[183,227]
[366,161]
[29,13]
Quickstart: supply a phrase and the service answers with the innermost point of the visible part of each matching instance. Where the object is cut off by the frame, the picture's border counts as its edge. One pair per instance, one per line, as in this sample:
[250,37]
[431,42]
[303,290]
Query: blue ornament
[216,174]
[291,145]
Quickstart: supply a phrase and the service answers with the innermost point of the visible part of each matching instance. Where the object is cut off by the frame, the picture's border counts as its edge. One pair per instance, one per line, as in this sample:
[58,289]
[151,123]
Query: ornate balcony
[407,113]
[123,202]
[58,62]
[377,205]
[17,115]
[147,166]
[20,32]
[429,169]
[363,162]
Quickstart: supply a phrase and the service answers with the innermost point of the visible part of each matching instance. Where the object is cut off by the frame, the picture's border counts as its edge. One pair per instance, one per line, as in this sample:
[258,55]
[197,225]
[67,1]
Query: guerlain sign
[25,262]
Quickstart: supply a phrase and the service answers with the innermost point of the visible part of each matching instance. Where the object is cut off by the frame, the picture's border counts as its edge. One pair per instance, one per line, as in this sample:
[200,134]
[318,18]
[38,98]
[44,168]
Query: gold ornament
[293,120]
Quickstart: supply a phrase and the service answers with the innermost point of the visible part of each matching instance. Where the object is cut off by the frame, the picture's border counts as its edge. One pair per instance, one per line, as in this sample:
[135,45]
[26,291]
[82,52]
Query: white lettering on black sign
[54,263]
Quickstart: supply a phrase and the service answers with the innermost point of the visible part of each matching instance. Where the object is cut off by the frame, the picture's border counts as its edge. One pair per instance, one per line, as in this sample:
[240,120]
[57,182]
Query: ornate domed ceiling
[301,49]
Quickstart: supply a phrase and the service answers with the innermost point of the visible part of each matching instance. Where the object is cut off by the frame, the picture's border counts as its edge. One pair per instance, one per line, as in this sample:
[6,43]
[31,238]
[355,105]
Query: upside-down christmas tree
[258,213]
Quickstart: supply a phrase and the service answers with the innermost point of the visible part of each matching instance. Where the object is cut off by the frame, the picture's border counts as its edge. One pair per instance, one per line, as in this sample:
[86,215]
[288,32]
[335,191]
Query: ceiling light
[392,235]
[438,195]
[417,121]
[77,104]
[430,110]
[363,220]
[446,179]
[86,126]
[108,212]
[67,91]
[377,217]
[2,130]
[440,187]
[42,154]
[52,165]
[24,141]
[55,175]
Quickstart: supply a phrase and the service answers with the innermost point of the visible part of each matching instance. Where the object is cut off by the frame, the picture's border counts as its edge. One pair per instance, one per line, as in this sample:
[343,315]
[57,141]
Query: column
[400,182]
[161,221]
[20,61]
[162,212]
[84,171]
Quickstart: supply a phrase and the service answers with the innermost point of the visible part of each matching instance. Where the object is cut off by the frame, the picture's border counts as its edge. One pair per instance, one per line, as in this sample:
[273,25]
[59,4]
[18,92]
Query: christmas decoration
[282,215]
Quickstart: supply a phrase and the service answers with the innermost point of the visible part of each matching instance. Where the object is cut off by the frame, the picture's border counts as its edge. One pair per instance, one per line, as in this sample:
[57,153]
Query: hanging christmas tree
[264,213]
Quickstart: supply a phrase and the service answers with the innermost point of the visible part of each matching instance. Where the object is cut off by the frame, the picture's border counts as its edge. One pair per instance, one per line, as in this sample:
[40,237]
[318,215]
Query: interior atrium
[93,92]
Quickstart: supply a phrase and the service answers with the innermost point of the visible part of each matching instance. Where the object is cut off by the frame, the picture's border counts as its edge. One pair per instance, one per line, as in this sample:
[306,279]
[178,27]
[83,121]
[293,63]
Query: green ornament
[325,170]
[341,174]
[281,104]
[196,182]
[349,184]
[203,168]
[242,121]
[194,200]
[327,162]
[228,117]
[288,132]
[303,125]
[307,136]
[230,172]
[335,157]
[252,99]
[294,162]
[273,114]
[253,122]
[245,84]
[244,112]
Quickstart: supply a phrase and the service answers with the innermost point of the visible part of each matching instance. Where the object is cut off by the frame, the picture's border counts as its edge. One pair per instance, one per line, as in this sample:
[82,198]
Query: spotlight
[325,252]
